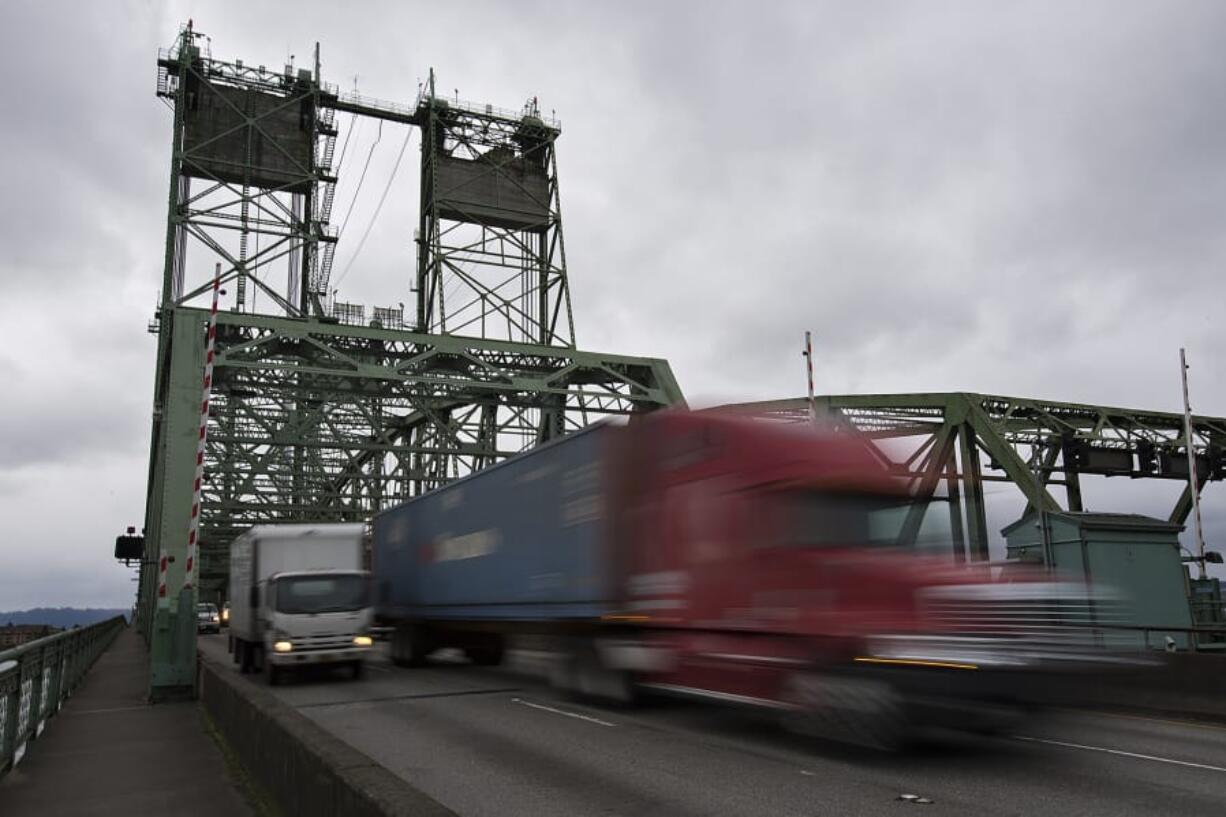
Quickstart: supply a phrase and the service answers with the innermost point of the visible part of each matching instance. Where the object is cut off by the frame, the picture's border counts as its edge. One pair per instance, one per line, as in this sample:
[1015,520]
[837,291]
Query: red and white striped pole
[193,531]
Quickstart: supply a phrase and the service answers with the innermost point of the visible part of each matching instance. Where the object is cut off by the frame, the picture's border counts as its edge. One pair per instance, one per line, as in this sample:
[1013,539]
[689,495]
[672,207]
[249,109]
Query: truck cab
[316,617]
[299,596]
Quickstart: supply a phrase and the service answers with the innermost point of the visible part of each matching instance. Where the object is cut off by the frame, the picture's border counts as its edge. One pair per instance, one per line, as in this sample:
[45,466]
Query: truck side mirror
[254,600]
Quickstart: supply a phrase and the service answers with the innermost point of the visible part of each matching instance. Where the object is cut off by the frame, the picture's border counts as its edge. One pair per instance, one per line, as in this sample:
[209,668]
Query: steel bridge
[961,441]
[321,411]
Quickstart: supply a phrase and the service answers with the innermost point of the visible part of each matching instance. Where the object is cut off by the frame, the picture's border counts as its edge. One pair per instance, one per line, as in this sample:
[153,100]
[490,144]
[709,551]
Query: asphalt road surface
[500,742]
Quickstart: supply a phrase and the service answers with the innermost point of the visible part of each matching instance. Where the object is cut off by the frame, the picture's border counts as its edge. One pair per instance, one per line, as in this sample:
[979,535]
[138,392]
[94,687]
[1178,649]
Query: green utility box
[1135,555]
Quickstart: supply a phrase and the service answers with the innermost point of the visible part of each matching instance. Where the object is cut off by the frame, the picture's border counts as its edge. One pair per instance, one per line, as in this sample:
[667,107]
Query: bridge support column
[176,428]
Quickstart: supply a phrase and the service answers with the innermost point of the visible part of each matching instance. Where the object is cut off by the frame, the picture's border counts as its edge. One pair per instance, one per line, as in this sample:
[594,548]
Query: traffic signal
[1073,451]
[1147,457]
[1217,462]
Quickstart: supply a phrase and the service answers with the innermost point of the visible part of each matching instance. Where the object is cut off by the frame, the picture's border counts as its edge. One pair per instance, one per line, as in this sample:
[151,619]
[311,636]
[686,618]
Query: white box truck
[299,595]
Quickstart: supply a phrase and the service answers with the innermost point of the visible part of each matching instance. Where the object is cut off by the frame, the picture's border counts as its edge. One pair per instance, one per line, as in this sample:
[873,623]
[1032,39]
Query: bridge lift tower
[320,412]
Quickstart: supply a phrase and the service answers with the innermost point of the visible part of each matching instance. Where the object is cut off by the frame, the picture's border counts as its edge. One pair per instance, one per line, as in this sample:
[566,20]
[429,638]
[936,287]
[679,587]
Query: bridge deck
[108,752]
[489,742]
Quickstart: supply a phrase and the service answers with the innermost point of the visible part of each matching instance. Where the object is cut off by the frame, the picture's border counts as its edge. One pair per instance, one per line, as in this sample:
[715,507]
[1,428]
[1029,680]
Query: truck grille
[1053,613]
[313,643]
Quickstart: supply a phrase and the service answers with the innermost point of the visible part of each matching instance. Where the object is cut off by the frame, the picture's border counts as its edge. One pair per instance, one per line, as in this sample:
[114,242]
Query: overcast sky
[1013,198]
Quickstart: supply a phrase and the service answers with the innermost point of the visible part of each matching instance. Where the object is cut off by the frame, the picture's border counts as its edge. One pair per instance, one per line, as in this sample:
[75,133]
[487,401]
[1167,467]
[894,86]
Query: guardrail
[35,679]
[1199,639]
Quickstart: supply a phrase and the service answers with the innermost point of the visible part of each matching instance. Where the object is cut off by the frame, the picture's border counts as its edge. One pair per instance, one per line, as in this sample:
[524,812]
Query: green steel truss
[949,445]
[318,414]
[251,180]
[491,258]
[321,421]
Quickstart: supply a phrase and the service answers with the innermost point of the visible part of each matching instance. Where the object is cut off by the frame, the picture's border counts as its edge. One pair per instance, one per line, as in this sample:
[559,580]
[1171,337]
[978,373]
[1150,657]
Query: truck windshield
[813,518]
[321,594]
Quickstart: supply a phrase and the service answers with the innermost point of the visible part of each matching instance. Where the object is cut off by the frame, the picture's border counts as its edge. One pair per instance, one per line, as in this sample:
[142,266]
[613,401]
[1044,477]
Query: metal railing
[35,678]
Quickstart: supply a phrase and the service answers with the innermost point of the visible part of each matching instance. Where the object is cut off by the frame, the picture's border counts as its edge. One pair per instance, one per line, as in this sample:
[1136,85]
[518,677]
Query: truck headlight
[283,646]
[363,640]
[225,615]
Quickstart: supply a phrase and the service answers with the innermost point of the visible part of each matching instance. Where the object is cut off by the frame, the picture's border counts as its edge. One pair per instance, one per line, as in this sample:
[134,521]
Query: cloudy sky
[1014,198]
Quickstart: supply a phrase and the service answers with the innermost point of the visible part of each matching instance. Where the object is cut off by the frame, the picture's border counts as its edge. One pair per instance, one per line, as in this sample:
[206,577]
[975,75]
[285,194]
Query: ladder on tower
[325,249]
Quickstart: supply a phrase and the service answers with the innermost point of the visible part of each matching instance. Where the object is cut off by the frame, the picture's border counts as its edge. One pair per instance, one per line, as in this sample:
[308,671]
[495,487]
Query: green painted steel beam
[1003,428]
[168,510]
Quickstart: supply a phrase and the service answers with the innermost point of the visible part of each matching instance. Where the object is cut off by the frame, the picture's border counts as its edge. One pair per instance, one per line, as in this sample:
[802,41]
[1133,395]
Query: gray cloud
[1015,199]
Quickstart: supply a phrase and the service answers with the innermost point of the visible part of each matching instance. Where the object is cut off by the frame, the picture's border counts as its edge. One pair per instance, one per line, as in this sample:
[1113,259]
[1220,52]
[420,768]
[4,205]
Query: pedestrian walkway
[109,753]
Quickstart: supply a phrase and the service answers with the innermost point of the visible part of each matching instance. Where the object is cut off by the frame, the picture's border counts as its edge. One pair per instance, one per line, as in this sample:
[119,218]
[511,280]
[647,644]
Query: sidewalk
[109,753]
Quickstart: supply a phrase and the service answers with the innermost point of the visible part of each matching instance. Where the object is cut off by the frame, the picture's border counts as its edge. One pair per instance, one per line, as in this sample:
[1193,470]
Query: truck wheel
[242,653]
[596,681]
[857,711]
[357,669]
[563,675]
[487,654]
[408,646]
[272,672]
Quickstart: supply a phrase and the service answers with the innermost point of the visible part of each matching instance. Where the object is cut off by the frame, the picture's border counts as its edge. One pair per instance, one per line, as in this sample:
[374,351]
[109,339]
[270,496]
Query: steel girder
[964,439]
[316,421]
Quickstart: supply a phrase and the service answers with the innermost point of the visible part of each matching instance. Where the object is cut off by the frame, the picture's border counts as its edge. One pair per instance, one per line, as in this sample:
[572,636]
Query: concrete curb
[1179,685]
[306,771]
[1187,685]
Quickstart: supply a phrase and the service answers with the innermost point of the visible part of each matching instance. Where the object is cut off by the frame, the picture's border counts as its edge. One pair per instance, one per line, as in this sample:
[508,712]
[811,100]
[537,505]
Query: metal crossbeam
[1007,436]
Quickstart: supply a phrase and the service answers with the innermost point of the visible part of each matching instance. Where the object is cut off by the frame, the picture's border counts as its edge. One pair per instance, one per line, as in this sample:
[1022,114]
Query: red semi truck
[722,557]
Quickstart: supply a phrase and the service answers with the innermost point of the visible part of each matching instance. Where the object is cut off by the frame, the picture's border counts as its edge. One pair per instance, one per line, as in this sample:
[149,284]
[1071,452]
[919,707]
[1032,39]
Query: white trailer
[299,595]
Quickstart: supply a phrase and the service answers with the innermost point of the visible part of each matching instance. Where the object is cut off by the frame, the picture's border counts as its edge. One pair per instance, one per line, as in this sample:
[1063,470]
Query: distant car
[208,620]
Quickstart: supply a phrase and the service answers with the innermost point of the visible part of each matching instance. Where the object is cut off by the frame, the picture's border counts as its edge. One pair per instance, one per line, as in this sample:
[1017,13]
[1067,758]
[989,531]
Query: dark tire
[272,672]
[357,670]
[563,677]
[409,648]
[594,681]
[855,711]
[242,655]
[488,653]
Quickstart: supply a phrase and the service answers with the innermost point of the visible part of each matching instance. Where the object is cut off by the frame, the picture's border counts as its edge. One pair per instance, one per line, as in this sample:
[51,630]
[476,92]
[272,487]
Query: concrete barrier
[1181,685]
[1191,685]
[304,769]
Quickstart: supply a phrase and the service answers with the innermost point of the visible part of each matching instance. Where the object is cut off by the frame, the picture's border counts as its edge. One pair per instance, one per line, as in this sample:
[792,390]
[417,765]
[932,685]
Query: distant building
[14,635]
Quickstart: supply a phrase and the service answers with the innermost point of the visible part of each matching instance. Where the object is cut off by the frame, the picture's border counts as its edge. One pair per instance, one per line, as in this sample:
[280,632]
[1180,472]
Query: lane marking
[587,718]
[726,697]
[1122,753]
[410,696]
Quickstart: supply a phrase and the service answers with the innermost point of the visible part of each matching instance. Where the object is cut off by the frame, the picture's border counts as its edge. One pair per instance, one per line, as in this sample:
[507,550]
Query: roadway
[500,742]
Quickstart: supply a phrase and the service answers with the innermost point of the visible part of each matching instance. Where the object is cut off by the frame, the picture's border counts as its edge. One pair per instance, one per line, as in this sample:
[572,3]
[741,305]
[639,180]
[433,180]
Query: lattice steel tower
[317,413]
[491,259]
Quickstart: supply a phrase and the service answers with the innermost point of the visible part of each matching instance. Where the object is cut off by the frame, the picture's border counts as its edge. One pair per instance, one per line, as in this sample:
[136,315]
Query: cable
[349,131]
[361,179]
[403,146]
